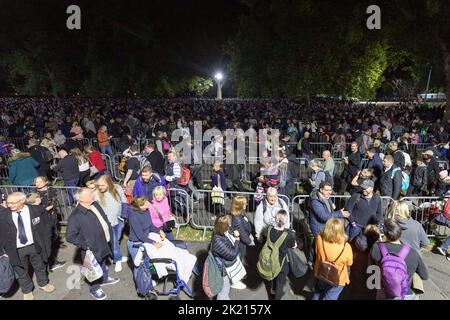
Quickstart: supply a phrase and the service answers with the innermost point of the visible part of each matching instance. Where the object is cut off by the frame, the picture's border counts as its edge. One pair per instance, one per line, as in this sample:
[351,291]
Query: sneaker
[28,296]
[57,265]
[110,281]
[118,266]
[448,258]
[48,288]
[99,295]
[152,295]
[441,251]
[124,259]
[238,285]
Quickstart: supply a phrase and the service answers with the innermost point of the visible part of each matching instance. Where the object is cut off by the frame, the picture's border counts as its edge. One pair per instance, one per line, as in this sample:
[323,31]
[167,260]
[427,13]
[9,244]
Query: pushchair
[146,273]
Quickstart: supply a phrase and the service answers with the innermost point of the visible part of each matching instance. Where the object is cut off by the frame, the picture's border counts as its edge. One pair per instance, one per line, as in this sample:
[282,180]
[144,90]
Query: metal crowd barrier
[180,206]
[204,211]
[62,207]
[428,211]
[318,147]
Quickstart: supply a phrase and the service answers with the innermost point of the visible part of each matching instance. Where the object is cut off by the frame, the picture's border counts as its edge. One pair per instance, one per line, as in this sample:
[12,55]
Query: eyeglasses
[13,202]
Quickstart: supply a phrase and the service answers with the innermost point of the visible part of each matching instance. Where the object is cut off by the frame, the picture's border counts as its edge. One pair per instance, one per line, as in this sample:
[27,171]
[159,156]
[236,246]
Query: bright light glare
[219,76]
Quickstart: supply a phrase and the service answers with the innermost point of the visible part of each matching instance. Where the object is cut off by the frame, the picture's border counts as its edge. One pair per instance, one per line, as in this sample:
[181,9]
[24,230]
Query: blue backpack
[143,278]
[405,179]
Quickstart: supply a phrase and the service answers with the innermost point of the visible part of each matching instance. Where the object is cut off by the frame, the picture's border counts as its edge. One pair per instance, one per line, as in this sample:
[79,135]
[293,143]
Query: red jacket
[96,160]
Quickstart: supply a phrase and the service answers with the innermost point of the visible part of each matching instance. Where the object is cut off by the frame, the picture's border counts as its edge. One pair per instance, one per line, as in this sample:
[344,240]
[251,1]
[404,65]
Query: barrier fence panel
[204,210]
[4,172]
[19,143]
[428,211]
[118,176]
[180,205]
[62,207]
[318,147]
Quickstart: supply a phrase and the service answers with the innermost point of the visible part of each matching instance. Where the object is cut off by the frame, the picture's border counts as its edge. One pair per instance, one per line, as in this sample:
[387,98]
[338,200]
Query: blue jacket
[22,169]
[319,213]
[140,226]
[377,164]
[146,189]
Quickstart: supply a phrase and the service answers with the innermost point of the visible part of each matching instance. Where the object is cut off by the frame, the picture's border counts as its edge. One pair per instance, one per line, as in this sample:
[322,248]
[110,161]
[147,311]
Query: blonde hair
[237,205]
[334,231]
[399,210]
[111,189]
[32,198]
[159,190]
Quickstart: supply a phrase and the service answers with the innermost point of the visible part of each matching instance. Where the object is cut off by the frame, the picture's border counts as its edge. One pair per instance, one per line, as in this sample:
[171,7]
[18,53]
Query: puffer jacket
[319,213]
[22,169]
[224,251]
[241,224]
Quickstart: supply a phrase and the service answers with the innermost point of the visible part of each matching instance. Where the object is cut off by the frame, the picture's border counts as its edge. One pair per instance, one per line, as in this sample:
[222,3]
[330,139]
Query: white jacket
[265,219]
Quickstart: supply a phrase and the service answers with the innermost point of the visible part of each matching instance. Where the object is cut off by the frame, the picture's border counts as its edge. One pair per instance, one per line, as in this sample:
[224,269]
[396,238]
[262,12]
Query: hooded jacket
[22,169]
[413,234]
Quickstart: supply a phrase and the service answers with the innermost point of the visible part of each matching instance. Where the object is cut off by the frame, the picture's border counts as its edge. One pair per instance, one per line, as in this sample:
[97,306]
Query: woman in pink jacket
[160,212]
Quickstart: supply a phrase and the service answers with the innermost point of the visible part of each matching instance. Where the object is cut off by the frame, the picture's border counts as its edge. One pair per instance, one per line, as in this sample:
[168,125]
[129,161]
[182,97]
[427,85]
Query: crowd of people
[383,160]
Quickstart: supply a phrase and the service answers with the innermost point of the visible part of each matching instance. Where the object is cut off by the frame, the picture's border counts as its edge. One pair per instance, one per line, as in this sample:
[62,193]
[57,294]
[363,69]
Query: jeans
[94,286]
[324,291]
[117,234]
[70,191]
[106,150]
[224,294]
[169,236]
[446,244]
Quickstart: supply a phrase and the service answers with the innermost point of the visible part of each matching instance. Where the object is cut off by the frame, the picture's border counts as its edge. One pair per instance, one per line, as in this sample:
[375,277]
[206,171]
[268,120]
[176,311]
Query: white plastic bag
[91,269]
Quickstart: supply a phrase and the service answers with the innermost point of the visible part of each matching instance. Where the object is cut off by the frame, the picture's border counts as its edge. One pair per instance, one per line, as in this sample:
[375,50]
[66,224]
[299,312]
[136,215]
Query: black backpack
[328,177]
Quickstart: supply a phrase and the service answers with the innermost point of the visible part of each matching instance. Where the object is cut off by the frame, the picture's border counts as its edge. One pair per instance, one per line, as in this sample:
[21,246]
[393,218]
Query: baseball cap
[367,184]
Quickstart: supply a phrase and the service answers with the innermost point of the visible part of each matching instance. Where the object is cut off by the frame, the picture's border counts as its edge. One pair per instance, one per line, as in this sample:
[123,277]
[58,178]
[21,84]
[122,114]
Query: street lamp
[219,77]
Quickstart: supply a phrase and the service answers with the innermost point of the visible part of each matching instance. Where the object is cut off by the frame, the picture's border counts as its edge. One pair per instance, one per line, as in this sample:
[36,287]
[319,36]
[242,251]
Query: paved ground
[437,287]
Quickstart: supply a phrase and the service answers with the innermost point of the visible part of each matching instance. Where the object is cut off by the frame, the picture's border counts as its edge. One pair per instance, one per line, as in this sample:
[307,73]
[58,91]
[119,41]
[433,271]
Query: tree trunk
[446,60]
[447,82]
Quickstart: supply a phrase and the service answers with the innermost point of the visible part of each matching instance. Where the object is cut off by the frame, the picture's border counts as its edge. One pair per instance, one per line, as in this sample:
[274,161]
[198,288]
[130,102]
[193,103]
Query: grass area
[187,233]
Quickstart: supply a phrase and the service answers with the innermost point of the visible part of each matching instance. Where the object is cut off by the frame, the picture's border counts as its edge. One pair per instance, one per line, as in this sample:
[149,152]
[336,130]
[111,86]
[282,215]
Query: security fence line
[200,208]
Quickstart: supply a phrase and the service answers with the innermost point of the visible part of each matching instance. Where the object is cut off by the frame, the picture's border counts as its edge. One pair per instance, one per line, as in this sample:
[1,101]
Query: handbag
[236,272]
[168,225]
[91,269]
[217,196]
[328,271]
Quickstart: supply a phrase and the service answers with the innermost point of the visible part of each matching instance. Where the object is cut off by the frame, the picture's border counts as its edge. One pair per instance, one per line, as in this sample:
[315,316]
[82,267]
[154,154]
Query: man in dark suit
[89,228]
[22,237]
